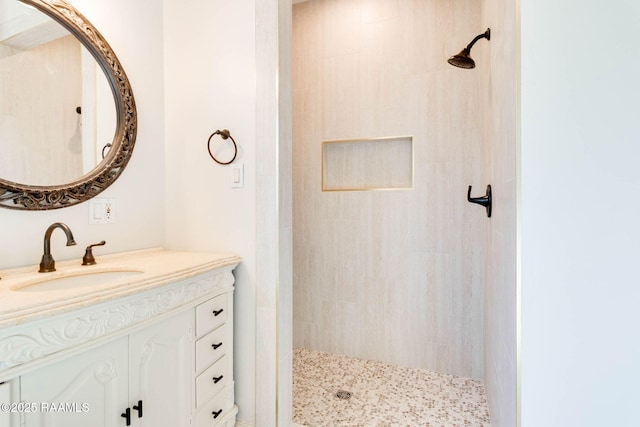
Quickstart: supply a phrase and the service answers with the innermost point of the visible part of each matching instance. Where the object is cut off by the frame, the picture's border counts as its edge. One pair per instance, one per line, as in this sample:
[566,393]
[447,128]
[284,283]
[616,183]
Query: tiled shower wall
[395,276]
[500,105]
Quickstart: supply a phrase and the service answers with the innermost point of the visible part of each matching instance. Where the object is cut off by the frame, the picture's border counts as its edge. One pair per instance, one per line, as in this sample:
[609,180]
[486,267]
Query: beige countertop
[23,299]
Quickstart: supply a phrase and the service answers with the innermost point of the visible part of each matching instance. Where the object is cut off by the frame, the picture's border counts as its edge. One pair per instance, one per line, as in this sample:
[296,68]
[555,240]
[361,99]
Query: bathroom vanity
[142,338]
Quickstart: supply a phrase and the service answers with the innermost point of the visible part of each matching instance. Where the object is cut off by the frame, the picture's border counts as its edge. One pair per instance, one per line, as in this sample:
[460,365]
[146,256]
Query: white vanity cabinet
[159,358]
[97,378]
[8,396]
[162,357]
[145,373]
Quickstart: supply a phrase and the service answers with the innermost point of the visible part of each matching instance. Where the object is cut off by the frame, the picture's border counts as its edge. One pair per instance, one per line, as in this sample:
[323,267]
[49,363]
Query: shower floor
[381,394]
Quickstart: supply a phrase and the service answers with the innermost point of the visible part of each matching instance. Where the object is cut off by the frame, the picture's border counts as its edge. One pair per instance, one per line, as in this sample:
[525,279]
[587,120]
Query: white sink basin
[73,280]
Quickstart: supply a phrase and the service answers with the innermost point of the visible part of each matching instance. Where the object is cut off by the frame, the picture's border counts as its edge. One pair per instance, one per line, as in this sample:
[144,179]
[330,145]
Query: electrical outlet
[102,211]
[109,213]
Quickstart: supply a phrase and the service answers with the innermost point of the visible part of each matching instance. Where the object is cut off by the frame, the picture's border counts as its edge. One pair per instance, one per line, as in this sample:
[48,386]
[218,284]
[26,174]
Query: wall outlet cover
[102,211]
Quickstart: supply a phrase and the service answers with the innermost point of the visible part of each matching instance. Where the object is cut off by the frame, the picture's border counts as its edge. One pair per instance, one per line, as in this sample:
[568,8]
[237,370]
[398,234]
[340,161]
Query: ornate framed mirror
[31,142]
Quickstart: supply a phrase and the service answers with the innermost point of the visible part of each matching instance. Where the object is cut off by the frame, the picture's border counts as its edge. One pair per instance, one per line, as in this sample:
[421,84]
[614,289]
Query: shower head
[463,59]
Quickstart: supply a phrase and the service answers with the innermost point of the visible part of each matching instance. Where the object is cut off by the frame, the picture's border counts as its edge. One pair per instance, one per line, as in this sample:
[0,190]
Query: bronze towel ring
[224,134]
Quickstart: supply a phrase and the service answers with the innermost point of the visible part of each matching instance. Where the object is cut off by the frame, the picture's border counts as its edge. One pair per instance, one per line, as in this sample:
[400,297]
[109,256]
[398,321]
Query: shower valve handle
[483,201]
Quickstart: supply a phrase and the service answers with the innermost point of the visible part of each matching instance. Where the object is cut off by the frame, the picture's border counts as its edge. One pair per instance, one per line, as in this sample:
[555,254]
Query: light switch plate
[237,175]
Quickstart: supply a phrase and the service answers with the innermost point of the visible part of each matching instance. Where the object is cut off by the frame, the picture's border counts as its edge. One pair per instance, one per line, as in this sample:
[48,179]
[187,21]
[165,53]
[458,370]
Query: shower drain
[344,395]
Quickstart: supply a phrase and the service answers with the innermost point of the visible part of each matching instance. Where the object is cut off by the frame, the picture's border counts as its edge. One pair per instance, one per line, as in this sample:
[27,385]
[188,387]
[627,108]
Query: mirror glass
[53,113]
[67,115]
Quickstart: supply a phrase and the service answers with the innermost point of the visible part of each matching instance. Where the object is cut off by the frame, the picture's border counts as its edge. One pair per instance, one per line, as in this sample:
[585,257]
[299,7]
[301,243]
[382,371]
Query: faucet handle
[88,258]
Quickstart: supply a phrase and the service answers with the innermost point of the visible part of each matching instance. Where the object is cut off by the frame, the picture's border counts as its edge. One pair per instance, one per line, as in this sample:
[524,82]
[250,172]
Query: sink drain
[344,395]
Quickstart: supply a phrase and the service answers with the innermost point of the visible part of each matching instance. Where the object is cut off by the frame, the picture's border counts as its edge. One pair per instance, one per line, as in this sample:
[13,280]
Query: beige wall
[498,65]
[390,275]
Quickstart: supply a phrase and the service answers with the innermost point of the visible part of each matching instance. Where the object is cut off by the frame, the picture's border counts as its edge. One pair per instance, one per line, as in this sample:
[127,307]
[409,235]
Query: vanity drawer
[211,314]
[211,347]
[211,381]
[215,411]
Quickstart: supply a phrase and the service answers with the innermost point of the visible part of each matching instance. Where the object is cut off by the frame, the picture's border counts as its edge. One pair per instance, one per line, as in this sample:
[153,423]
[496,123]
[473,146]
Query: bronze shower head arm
[485,35]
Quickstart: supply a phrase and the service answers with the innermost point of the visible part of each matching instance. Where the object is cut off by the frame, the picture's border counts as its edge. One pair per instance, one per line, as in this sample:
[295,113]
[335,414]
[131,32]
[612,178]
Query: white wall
[225,68]
[580,234]
[200,57]
[192,66]
[139,191]
[211,84]
[273,205]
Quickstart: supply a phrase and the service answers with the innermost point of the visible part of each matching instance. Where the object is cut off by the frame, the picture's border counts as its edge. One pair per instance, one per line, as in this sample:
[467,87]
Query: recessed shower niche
[368,164]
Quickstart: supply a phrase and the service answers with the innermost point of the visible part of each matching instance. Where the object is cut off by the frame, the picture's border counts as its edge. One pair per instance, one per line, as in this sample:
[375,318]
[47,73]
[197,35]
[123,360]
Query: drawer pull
[217,312]
[138,408]
[215,346]
[215,414]
[217,379]
[127,416]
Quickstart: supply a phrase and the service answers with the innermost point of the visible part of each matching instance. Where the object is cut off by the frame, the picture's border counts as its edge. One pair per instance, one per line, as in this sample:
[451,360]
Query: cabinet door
[9,395]
[89,389]
[160,365]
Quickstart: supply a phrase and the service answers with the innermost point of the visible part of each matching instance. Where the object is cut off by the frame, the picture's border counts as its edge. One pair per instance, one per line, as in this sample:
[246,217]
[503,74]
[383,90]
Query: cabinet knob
[215,346]
[217,312]
[215,414]
[127,416]
[138,408]
[217,379]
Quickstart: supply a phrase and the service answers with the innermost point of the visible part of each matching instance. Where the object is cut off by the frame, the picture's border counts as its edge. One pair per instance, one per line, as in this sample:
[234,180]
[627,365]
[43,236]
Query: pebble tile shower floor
[381,394]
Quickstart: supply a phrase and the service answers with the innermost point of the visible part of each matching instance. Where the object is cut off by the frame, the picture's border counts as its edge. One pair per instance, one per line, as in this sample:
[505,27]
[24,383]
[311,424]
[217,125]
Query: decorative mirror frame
[31,197]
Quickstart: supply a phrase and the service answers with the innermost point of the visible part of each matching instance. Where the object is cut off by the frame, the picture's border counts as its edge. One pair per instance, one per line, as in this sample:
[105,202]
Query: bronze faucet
[48,263]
